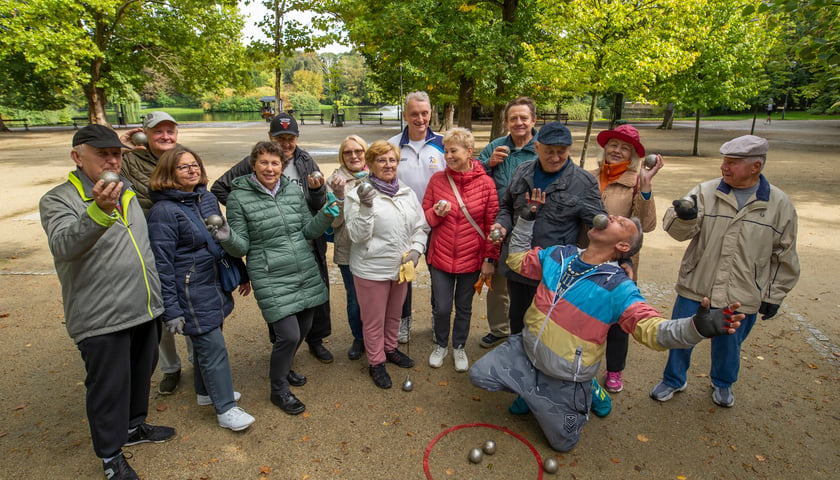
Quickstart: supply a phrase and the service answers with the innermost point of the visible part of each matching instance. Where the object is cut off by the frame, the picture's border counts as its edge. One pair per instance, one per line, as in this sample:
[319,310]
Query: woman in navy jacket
[195,303]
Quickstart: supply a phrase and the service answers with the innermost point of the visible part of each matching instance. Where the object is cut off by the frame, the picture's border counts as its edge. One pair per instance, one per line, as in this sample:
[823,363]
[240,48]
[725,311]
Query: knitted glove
[711,323]
[176,325]
[331,206]
[366,194]
[221,233]
[685,211]
[768,310]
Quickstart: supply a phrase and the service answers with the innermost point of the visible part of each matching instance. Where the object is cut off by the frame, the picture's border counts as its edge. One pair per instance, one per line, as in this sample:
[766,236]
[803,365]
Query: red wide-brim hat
[625,133]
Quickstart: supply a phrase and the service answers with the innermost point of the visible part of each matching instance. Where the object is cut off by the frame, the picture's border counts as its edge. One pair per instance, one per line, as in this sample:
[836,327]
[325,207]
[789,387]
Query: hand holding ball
[316,175]
[650,161]
[495,235]
[214,221]
[109,177]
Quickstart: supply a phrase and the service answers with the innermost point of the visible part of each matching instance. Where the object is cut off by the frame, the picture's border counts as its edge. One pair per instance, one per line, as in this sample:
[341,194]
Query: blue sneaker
[601,402]
[519,407]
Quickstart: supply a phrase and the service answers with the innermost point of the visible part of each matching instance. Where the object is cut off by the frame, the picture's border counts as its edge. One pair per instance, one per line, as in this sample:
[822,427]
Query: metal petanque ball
[550,465]
[505,148]
[407,385]
[442,203]
[475,455]
[109,177]
[687,202]
[364,188]
[650,161]
[139,138]
[214,220]
[495,235]
[489,447]
[316,175]
[600,221]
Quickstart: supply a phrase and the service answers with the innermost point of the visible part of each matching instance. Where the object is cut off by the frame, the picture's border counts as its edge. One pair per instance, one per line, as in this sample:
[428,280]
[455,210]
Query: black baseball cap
[283,124]
[98,136]
[554,133]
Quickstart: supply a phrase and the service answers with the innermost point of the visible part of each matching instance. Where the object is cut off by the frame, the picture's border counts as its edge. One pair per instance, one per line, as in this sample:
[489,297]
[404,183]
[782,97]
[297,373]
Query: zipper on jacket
[578,353]
[189,299]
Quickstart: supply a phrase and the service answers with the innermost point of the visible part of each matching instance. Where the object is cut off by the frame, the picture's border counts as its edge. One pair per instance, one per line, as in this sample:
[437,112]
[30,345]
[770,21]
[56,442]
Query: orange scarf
[610,173]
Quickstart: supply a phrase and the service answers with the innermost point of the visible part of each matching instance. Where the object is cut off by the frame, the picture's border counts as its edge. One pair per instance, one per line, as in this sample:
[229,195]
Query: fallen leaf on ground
[734,448]
[476,398]
[418,409]
[760,357]
[812,366]
[760,458]
[161,408]
[450,471]
[306,414]
[4,315]
[615,460]
[265,470]
[305,438]
[642,437]
[337,405]
[20,407]
[443,383]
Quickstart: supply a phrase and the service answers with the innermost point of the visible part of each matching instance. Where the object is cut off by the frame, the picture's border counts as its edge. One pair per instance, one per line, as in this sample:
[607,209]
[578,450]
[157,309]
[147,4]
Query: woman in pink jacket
[460,205]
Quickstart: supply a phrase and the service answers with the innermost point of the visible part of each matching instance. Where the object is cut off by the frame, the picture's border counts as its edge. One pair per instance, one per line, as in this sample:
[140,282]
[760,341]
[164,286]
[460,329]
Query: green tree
[103,45]
[312,83]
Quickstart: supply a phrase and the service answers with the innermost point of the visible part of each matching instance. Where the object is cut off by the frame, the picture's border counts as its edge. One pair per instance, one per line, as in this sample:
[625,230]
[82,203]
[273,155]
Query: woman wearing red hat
[626,191]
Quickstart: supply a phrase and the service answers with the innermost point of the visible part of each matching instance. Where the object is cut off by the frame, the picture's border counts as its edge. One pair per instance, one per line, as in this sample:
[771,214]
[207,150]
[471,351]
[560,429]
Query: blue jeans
[212,369]
[726,351]
[354,316]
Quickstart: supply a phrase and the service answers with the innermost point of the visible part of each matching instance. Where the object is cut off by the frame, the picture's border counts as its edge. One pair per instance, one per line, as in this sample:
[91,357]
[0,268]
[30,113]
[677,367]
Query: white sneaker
[235,419]
[405,330]
[462,364]
[437,356]
[206,400]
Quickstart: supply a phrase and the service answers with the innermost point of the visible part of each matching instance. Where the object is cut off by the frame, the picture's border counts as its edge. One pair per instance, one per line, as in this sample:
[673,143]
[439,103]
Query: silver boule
[550,465]
[364,188]
[214,220]
[442,203]
[139,138]
[505,148]
[650,161]
[686,202]
[600,221]
[489,447]
[407,385]
[495,235]
[316,175]
[475,455]
[108,176]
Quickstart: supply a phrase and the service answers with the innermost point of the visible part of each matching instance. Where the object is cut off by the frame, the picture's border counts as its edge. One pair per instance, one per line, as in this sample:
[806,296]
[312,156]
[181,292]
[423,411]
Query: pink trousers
[380,303]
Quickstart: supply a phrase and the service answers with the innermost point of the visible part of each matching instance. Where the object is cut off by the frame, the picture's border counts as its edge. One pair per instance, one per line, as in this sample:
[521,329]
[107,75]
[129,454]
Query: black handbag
[232,271]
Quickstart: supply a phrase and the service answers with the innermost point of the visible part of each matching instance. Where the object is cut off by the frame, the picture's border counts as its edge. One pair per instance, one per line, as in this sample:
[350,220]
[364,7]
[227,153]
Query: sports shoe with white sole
[235,419]
[462,363]
[405,330]
[437,356]
[663,392]
[206,400]
[723,396]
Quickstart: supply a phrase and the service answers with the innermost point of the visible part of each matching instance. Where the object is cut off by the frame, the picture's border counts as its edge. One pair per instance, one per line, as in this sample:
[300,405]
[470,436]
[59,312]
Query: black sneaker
[490,340]
[356,349]
[399,358]
[169,383]
[319,351]
[295,379]
[146,433]
[380,376]
[119,469]
[289,403]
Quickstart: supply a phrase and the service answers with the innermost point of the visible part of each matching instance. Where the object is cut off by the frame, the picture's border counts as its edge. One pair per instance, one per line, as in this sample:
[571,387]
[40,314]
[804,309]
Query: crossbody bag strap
[464,207]
[214,248]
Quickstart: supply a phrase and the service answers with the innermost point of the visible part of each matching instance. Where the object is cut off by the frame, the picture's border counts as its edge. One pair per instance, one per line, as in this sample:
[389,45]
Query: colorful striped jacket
[565,332]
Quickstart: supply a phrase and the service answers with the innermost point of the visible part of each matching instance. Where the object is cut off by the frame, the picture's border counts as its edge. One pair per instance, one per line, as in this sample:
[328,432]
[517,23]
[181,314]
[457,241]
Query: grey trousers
[561,407]
[449,288]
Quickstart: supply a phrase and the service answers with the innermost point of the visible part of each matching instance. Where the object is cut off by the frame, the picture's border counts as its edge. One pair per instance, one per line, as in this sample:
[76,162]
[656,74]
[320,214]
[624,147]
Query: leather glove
[331,206]
[366,195]
[684,212]
[176,325]
[221,233]
[711,323]
[768,310]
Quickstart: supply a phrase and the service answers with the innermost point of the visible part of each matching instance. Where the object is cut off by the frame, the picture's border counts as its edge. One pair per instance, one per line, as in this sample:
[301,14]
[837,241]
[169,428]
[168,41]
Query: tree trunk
[755,114]
[3,127]
[466,92]
[448,116]
[696,132]
[278,53]
[95,95]
[617,109]
[588,129]
[508,19]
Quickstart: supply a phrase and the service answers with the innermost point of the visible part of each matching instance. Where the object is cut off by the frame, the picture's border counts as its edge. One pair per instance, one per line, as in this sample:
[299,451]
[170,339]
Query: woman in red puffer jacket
[458,255]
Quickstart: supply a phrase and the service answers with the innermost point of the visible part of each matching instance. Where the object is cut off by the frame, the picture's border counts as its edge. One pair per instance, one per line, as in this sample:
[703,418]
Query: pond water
[351,114]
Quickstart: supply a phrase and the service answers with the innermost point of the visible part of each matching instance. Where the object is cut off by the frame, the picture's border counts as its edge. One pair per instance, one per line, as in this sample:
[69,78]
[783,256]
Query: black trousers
[321,323]
[521,295]
[288,332]
[618,342]
[119,367]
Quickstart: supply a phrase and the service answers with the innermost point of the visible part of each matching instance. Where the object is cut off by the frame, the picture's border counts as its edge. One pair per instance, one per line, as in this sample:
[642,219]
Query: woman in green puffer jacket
[271,225]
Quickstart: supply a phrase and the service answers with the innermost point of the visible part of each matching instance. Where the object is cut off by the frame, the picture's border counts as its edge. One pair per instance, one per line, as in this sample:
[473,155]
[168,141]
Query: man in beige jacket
[743,246]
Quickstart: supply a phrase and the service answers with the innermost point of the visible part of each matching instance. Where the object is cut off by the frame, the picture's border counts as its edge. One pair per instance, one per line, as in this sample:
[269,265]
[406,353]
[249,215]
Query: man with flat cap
[572,199]
[111,294]
[743,246]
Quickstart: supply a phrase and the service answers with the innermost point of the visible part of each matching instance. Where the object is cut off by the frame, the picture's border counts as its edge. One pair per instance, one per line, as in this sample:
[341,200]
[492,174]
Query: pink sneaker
[613,383]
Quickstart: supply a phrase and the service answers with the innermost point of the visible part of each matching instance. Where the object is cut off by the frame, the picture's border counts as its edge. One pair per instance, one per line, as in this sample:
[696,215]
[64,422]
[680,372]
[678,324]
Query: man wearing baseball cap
[161,132]
[284,131]
[743,245]
[111,294]
[572,198]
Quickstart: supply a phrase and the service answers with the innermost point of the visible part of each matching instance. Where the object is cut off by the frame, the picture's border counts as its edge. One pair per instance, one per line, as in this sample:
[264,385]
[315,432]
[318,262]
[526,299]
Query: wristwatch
[489,260]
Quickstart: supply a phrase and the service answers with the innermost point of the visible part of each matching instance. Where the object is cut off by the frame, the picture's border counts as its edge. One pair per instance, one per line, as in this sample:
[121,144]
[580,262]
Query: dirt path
[784,423]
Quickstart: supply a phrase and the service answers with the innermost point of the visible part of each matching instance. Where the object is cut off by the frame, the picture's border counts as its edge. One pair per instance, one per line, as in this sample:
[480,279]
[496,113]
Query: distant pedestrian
[769,113]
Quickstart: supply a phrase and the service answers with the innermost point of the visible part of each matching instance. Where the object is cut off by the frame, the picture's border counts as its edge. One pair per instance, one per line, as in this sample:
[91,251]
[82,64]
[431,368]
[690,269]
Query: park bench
[22,121]
[318,116]
[560,117]
[362,116]
[80,120]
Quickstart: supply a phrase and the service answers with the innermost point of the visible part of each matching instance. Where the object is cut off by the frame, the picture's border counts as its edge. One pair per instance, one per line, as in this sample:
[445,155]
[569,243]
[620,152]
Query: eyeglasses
[355,153]
[190,166]
[386,160]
